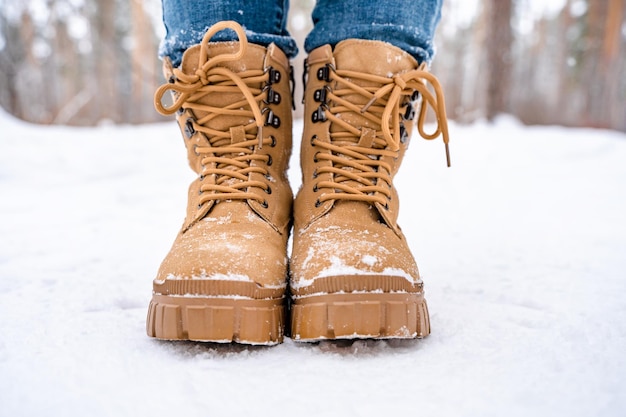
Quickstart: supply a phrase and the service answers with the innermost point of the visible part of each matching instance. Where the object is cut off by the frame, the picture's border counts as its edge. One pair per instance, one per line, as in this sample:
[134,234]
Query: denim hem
[420,47]
[173,46]
[186,22]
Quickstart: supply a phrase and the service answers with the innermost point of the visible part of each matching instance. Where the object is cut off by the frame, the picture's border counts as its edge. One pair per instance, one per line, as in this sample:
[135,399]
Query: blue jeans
[407,24]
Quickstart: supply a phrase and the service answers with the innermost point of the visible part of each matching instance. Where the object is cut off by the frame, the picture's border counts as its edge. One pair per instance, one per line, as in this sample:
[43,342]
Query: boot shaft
[360,102]
[233,106]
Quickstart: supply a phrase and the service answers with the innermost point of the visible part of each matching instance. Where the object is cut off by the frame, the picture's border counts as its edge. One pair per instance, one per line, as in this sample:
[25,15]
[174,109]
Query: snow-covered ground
[522,245]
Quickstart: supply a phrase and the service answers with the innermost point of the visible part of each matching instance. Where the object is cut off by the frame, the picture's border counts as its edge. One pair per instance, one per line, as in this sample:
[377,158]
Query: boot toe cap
[330,251]
[246,256]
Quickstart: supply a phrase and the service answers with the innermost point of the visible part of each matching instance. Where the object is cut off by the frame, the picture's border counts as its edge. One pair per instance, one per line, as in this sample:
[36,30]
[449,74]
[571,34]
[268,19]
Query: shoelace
[363,164]
[232,161]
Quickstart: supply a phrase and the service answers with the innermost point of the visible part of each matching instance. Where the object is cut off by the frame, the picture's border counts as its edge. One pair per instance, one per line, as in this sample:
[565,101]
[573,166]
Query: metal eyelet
[195,150]
[273,144]
[172,79]
[273,97]
[274,76]
[409,114]
[318,115]
[315,189]
[320,95]
[264,204]
[315,160]
[180,111]
[268,190]
[323,74]
[189,129]
[314,137]
[315,174]
[318,203]
[272,119]
[404,136]
[269,160]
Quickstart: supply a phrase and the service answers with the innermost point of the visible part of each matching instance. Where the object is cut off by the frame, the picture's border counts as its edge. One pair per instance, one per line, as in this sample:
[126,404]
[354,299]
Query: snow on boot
[352,273]
[225,276]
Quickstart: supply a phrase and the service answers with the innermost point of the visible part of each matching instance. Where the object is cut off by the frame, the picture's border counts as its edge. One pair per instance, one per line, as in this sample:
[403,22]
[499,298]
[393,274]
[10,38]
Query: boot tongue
[253,59]
[372,57]
[189,64]
[368,57]
[355,212]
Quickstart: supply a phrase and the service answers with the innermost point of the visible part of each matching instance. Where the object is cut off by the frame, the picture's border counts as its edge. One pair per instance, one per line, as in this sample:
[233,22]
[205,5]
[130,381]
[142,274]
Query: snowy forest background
[84,62]
[521,243]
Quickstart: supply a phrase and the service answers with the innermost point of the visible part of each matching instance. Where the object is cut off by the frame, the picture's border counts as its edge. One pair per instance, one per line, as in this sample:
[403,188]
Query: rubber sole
[212,319]
[373,315]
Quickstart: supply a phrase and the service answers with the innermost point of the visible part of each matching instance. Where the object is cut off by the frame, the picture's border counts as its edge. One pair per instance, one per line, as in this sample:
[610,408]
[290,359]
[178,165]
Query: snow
[521,244]
[338,267]
[206,276]
[369,260]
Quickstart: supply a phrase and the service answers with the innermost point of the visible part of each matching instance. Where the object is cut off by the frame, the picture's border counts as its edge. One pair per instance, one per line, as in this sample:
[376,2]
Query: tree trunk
[614,84]
[498,43]
[104,50]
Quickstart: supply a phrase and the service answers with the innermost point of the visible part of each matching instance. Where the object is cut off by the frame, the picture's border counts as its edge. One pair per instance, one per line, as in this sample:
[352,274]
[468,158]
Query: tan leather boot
[225,277]
[352,273]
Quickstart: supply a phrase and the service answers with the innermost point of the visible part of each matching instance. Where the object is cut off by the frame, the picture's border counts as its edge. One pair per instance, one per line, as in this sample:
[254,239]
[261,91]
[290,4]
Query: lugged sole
[360,316]
[212,319]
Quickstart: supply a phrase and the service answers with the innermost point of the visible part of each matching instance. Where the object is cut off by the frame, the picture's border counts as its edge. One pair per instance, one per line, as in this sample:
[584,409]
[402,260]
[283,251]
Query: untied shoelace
[365,165]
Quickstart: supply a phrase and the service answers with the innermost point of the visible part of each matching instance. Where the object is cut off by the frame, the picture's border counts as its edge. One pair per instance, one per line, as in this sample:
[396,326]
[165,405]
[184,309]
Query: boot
[224,278]
[352,273]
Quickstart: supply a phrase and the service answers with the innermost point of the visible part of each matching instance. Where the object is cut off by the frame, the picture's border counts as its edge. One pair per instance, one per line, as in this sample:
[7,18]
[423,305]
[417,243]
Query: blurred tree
[84,61]
[12,53]
[78,61]
[107,60]
[498,44]
[609,64]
